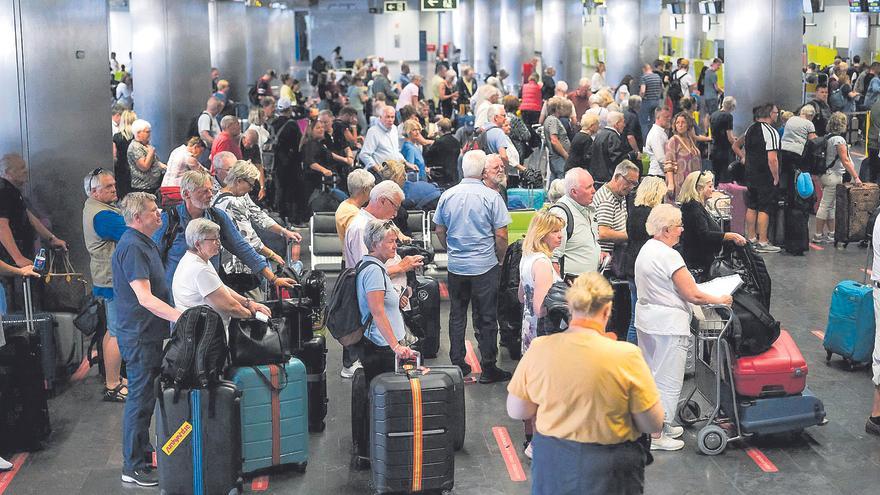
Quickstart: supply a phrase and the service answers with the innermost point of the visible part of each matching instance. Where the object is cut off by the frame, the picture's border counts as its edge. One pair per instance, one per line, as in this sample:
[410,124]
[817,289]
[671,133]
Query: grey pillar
[445,29]
[649,31]
[574,43]
[463,30]
[691,30]
[553,51]
[510,52]
[280,39]
[229,46]
[753,30]
[860,46]
[621,36]
[62,135]
[482,35]
[172,65]
[259,56]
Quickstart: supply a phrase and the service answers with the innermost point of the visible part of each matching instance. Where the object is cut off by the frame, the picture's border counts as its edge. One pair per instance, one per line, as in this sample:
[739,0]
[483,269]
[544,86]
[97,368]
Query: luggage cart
[713,381]
[719,207]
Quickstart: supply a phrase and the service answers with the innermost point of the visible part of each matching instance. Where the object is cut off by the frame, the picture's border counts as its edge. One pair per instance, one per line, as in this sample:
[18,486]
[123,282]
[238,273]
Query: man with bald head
[250,150]
[228,139]
[580,98]
[579,251]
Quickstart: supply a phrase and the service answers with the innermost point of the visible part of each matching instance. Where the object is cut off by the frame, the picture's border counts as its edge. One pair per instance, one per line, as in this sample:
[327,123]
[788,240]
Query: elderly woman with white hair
[196,282]
[663,315]
[247,216]
[145,167]
[485,97]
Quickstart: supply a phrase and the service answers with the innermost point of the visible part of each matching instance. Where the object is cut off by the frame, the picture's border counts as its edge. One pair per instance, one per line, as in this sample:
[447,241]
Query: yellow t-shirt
[345,213]
[586,387]
[287,92]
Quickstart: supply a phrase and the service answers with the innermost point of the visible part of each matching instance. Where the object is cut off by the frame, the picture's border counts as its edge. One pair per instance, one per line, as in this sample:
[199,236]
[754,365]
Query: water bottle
[40,261]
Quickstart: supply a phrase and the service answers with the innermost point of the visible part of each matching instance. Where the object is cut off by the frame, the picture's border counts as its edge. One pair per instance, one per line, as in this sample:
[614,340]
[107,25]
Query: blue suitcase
[525,199]
[781,414]
[274,415]
[850,330]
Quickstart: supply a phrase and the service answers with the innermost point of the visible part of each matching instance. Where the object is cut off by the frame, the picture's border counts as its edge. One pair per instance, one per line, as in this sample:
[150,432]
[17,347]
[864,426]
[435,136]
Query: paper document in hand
[721,286]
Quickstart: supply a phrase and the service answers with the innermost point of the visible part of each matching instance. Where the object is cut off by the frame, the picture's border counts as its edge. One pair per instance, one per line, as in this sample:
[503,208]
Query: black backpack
[253,96]
[701,80]
[815,153]
[556,313]
[173,228]
[674,92]
[343,311]
[757,330]
[196,354]
[531,179]
[193,130]
[749,265]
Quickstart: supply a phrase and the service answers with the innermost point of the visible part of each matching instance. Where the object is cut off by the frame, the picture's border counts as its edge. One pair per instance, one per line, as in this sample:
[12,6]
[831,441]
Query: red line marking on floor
[471,358]
[155,462]
[819,334]
[508,453]
[7,476]
[444,291]
[761,460]
[82,371]
[816,247]
[260,484]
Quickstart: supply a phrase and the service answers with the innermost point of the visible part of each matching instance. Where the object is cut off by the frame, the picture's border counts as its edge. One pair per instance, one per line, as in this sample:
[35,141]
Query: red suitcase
[778,372]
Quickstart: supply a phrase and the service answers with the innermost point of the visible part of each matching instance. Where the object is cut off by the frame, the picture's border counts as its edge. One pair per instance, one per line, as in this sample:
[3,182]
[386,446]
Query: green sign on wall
[394,6]
[439,4]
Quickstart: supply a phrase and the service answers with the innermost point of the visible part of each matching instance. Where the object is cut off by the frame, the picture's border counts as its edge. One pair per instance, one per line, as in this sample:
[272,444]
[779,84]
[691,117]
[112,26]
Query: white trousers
[875,367]
[666,356]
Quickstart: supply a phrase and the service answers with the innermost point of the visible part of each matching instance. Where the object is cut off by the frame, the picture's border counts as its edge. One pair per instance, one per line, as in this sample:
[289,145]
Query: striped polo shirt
[653,86]
[610,212]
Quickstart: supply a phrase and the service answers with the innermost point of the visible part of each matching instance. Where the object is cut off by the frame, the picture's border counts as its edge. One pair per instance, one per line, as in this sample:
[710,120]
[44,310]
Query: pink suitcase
[737,205]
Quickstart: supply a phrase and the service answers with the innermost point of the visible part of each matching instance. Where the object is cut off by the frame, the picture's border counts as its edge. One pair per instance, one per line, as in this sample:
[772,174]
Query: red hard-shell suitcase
[778,372]
[737,205]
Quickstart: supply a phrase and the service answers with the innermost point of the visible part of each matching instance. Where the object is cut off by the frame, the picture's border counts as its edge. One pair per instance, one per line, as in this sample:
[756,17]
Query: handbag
[91,316]
[255,343]
[65,288]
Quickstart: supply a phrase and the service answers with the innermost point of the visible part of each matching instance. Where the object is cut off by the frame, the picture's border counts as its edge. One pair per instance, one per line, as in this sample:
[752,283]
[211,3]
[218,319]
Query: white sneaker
[349,372]
[766,247]
[666,443]
[528,451]
[673,431]
[6,465]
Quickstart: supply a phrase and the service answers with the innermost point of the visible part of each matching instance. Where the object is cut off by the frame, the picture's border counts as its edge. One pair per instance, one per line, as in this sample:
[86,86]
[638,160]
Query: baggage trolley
[713,381]
[719,207]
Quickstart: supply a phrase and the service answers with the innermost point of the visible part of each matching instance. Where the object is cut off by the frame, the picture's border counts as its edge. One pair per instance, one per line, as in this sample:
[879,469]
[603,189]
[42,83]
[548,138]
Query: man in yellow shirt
[360,183]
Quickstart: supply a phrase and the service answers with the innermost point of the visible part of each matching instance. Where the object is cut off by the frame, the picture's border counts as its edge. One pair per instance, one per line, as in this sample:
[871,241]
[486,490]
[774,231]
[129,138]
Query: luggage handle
[397,362]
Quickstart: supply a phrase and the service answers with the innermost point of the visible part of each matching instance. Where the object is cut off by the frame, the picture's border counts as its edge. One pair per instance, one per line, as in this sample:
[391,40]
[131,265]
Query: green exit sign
[395,6]
[439,4]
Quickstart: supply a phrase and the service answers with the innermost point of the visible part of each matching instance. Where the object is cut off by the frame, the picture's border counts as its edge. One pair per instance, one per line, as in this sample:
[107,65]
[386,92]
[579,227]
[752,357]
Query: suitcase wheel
[689,413]
[301,467]
[712,440]
[828,355]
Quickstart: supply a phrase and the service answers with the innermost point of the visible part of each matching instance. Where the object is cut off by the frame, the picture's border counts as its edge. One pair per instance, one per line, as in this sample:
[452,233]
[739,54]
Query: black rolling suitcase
[797,228]
[198,437]
[24,411]
[411,437]
[424,317]
[42,326]
[314,355]
[457,411]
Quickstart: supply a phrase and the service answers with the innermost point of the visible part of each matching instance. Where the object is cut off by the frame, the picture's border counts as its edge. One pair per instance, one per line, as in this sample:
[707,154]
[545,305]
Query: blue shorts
[110,306]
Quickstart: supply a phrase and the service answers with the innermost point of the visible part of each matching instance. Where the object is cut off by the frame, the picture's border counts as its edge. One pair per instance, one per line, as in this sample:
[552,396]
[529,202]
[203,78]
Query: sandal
[115,394]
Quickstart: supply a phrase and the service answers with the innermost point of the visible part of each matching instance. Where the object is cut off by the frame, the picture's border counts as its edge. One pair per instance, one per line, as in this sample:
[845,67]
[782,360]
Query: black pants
[376,360]
[482,292]
[873,162]
[530,118]
[721,159]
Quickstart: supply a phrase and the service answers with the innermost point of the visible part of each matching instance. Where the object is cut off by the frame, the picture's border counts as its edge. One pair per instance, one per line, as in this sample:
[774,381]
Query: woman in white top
[536,275]
[663,316]
[838,161]
[196,281]
[598,81]
[234,200]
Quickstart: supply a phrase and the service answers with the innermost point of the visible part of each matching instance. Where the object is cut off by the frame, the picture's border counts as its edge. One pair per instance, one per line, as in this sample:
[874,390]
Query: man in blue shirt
[496,141]
[143,315]
[103,225]
[196,191]
[472,225]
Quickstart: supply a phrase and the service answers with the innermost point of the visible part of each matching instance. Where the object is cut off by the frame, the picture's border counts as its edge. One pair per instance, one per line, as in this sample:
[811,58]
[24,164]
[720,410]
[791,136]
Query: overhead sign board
[394,6]
[439,4]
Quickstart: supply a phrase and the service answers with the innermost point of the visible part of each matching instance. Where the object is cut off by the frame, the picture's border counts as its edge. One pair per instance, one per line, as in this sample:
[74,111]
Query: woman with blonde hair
[682,154]
[536,275]
[580,153]
[121,141]
[703,237]
[592,399]
[650,193]
[838,161]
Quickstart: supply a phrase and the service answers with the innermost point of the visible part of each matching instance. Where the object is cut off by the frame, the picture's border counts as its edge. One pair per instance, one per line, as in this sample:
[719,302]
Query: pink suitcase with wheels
[737,205]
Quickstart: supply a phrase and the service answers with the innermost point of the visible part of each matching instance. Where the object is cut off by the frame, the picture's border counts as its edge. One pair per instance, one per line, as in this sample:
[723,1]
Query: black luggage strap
[268,382]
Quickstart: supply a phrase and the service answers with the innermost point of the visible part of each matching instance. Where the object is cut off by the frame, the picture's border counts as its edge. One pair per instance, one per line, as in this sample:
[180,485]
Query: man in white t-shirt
[872,426]
[655,144]
[196,282]
[410,93]
[209,128]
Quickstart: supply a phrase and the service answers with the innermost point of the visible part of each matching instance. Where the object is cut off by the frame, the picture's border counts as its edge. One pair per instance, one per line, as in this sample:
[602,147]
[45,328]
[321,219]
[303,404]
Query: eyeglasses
[396,205]
[251,183]
[630,182]
[212,239]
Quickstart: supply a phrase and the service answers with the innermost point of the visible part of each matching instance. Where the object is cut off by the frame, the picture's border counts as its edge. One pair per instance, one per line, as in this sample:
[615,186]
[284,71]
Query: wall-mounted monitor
[677,8]
[704,8]
[857,6]
[873,6]
[814,6]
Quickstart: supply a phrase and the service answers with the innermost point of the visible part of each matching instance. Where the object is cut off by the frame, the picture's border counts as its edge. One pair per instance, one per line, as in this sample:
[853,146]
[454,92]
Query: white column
[691,31]
[510,52]
[649,31]
[754,30]
[622,38]
[463,30]
[445,30]
[553,36]
[481,37]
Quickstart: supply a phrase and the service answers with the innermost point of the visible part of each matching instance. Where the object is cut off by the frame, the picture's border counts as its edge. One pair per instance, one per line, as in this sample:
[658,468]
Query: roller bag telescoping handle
[418,433]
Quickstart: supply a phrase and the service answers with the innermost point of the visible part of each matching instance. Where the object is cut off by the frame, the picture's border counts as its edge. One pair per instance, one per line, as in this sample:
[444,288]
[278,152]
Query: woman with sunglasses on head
[682,154]
[246,215]
[703,237]
[663,315]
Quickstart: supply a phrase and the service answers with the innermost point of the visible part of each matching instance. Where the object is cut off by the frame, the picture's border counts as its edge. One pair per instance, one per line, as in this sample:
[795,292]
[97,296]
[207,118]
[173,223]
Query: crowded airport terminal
[473,247]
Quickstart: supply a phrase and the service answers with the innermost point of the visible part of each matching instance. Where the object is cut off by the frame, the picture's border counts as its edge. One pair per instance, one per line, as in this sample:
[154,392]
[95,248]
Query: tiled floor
[84,450]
